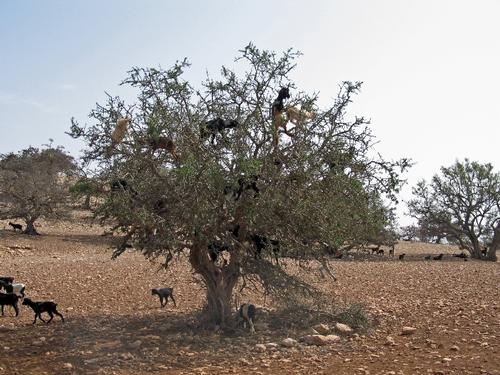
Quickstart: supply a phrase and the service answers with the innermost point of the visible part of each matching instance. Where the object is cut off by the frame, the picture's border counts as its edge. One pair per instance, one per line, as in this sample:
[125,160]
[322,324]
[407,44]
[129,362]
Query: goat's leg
[2,309]
[252,328]
[59,314]
[40,317]
[51,316]
[161,301]
[36,315]
[172,297]
[17,309]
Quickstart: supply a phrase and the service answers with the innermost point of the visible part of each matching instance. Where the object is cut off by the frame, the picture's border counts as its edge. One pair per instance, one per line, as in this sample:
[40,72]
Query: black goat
[121,185]
[217,125]
[9,299]
[247,313]
[244,183]
[428,257]
[260,243]
[277,110]
[461,255]
[402,256]
[164,294]
[215,248]
[438,257]
[40,307]
[7,279]
[16,226]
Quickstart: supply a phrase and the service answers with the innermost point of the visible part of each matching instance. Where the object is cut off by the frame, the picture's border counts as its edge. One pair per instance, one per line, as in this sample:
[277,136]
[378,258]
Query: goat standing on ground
[9,299]
[247,313]
[438,257]
[164,293]
[402,256]
[16,226]
[40,307]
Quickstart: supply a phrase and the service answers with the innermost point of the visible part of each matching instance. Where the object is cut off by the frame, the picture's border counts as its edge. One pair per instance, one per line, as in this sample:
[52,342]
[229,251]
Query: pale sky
[431,68]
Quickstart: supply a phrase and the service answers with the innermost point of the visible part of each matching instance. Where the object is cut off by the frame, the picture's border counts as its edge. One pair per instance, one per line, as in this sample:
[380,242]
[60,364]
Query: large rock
[320,340]
[322,329]
[343,328]
[289,342]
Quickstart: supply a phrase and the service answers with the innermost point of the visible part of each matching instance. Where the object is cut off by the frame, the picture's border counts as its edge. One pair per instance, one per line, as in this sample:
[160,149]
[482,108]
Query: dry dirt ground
[114,326]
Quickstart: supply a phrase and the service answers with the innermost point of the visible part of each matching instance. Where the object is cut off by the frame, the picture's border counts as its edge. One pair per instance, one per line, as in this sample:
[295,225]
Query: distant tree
[409,233]
[33,184]
[86,186]
[464,203]
[303,187]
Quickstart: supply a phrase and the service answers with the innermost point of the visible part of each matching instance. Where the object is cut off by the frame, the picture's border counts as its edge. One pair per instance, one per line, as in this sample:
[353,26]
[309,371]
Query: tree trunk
[219,281]
[86,204]
[495,243]
[30,228]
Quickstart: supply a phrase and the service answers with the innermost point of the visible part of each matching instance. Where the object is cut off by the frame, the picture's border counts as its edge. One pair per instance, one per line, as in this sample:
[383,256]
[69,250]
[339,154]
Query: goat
[262,242]
[120,130]
[16,226]
[9,299]
[247,313]
[122,185]
[43,306]
[402,256]
[214,126]
[298,116]
[164,294]
[215,248]
[428,257]
[277,110]
[13,288]
[461,255]
[7,279]
[438,257]
[165,144]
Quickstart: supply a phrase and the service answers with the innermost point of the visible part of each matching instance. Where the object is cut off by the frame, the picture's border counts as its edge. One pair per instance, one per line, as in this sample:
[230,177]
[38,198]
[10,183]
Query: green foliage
[320,184]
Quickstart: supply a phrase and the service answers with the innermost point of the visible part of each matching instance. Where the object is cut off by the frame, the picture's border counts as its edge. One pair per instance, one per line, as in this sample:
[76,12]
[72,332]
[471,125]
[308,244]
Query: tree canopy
[301,184]
[34,183]
[463,202]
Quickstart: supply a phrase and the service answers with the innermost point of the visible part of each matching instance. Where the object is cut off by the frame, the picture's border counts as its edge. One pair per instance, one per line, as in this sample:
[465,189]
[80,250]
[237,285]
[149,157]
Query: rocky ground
[428,317]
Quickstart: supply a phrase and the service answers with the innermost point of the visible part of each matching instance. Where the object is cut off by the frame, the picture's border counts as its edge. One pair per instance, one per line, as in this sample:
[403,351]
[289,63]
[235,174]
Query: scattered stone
[408,331]
[390,341]
[68,365]
[260,348]
[271,345]
[91,361]
[245,362]
[343,328]
[136,344]
[455,348]
[289,342]
[322,329]
[320,340]
[126,356]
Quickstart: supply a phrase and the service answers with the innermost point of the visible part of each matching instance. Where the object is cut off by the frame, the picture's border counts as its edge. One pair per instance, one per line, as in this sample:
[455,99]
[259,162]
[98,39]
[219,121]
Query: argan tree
[177,185]
[464,203]
[34,183]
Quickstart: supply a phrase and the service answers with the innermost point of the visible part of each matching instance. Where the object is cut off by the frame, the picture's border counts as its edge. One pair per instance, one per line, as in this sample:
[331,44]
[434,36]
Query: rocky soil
[428,317]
